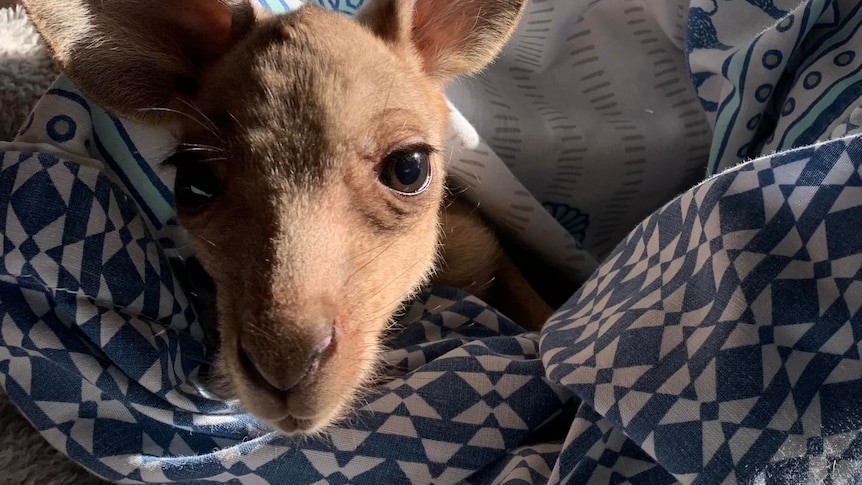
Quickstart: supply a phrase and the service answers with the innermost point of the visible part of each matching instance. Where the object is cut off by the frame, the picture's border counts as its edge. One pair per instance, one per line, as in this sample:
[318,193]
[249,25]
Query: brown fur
[297,112]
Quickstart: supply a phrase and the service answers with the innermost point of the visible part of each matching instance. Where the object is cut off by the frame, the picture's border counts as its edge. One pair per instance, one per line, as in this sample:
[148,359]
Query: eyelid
[418,146]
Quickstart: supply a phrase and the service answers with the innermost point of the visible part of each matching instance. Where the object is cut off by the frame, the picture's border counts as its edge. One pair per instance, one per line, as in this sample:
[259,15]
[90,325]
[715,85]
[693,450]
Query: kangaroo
[310,172]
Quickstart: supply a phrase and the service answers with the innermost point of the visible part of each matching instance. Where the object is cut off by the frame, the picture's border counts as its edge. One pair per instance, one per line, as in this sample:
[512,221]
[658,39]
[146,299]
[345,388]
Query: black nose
[280,368]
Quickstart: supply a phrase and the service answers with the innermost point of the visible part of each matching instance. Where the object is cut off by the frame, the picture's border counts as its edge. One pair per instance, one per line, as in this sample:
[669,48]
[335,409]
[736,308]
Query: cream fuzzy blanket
[26,70]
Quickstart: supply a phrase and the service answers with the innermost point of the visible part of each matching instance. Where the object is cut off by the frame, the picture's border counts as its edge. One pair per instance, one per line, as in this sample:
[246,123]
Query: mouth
[291,425]
[285,423]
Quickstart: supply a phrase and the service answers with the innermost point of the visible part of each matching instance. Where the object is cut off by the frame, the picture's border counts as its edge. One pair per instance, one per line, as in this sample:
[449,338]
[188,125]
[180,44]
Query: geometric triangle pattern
[718,343]
[68,326]
[739,359]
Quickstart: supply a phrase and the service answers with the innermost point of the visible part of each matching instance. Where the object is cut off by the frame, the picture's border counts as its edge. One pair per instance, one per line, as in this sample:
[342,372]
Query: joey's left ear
[131,56]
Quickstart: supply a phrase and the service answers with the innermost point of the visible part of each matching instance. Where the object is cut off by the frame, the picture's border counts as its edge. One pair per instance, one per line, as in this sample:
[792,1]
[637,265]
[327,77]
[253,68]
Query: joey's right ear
[130,56]
[451,37]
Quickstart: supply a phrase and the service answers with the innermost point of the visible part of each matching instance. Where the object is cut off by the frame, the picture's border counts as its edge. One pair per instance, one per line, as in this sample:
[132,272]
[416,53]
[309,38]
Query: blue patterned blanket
[716,337]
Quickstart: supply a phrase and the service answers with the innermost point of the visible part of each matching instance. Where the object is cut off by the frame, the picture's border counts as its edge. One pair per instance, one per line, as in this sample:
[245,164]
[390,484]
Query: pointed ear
[130,56]
[451,37]
[388,19]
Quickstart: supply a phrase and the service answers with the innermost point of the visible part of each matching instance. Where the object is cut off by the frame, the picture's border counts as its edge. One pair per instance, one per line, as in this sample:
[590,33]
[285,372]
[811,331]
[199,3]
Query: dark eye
[407,171]
[196,183]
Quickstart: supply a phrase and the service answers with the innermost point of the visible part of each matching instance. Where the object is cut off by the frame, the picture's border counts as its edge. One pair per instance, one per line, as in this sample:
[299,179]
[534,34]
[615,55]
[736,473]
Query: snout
[300,342]
[278,363]
[301,364]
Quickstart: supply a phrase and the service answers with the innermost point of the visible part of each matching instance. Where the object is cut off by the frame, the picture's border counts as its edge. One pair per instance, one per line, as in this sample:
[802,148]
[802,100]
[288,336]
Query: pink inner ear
[390,20]
[440,32]
[202,28]
[423,37]
[458,37]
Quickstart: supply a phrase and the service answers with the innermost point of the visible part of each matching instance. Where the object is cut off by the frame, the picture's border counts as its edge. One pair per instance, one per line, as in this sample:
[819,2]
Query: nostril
[257,372]
[293,369]
[322,346]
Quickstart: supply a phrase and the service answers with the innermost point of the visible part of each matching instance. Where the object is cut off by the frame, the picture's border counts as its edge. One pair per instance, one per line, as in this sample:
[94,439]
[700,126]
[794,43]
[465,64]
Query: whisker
[213,126]
[197,236]
[235,120]
[357,270]
[201,145]
[197,149]
[395,279]
[182,113]
[253,326]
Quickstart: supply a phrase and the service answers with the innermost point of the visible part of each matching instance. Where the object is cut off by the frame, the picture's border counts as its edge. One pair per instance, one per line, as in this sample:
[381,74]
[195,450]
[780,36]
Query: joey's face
[313,200]
[309,172]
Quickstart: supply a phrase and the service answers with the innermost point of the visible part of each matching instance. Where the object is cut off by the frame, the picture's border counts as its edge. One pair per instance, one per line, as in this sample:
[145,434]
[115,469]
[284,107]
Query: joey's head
[309,169]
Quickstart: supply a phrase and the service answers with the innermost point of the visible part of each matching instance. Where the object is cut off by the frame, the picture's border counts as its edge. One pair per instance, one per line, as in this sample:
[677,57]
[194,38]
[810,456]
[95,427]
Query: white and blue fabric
[716,337]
